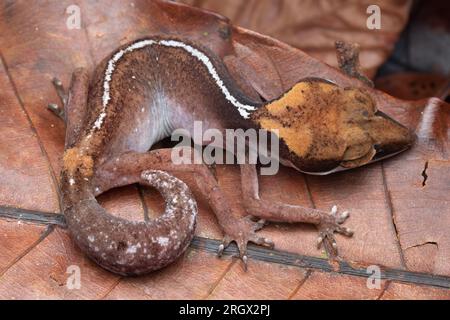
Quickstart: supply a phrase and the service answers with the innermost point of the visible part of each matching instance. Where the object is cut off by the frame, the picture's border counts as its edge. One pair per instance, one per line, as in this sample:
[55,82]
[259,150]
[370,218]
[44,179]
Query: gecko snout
[390,137]
[384,137]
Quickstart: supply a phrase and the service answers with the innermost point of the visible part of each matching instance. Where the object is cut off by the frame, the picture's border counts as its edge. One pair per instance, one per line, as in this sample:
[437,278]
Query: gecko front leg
[327,223]
[63,97]
[74,102]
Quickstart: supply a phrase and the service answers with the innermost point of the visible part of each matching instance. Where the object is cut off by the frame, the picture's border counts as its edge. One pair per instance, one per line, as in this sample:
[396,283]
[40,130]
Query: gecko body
[147,89]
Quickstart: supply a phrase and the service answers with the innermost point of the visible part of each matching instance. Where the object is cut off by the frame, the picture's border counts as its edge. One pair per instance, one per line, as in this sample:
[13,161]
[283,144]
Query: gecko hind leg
[126,169]
[327,223]
[63,96]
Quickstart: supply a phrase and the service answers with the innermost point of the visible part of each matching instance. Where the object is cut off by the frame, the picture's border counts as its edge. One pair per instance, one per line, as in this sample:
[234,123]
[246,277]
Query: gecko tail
[134,248]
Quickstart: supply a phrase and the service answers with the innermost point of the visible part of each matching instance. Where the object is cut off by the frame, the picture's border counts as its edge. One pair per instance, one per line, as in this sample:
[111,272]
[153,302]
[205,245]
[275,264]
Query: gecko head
[323,128]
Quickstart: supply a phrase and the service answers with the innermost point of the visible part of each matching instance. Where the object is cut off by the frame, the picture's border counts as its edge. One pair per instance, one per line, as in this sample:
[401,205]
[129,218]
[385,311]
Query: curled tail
[128,247]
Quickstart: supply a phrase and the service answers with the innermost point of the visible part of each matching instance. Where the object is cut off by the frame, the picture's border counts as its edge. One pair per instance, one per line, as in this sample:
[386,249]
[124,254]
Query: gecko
[148,88]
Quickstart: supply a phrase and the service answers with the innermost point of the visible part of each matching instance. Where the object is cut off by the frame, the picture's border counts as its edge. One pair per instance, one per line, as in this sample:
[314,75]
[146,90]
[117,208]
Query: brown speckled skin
[155,90]
[184,85]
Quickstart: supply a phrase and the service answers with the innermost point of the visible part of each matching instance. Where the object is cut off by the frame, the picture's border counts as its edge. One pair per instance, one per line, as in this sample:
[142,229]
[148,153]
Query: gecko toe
[334,211]
[345,231]
[245,261]
[57,110]
[261,241]
[242,246]
[225,244]
[319,241]
[330,246]
[343,217]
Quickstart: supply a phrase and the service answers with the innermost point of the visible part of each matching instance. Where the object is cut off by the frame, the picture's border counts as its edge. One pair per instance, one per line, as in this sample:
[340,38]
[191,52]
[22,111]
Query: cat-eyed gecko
[144,91]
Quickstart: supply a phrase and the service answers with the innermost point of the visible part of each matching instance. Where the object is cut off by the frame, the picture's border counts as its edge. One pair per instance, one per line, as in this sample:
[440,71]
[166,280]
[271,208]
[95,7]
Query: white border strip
[244,110]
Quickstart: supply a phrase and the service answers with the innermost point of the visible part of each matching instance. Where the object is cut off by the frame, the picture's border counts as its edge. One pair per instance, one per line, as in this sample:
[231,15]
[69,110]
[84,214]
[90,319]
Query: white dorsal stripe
[244,109]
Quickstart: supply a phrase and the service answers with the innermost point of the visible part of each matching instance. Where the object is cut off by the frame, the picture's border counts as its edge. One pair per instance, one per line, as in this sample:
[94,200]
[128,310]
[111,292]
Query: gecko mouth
[379,156]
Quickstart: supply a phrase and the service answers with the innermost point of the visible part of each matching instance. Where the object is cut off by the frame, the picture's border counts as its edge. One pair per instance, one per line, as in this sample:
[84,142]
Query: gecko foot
[242,232]
[56,109]
[327,229]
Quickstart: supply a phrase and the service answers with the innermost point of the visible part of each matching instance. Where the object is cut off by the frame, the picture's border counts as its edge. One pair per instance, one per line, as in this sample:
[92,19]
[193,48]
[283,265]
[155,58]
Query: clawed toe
[59,112]
[329,242]
[242,248]
[62,94]
[261,241]
[345,231]
[225,244]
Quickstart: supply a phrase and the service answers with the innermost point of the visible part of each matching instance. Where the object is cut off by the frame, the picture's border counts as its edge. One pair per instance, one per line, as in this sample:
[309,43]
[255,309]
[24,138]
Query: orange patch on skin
[304,117]
[294,97]
[298,139]
[74,160]
[297,96]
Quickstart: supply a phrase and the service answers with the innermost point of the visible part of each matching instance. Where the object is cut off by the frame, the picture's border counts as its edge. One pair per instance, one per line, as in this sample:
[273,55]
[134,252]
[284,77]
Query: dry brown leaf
[36,45]
[414,86]
[314,26]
